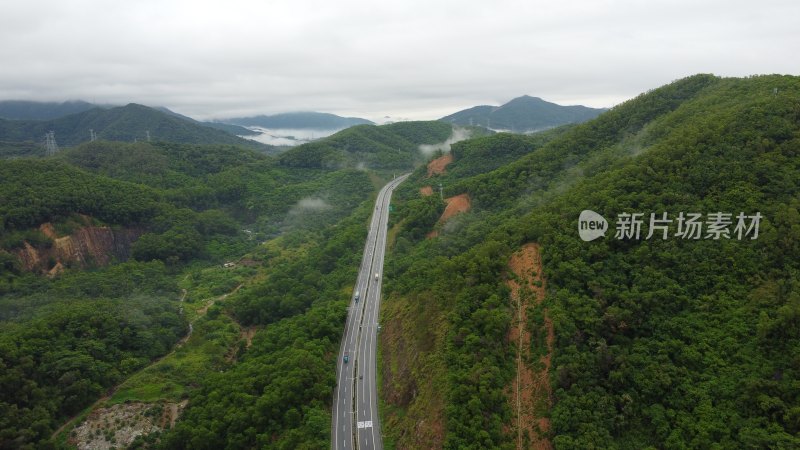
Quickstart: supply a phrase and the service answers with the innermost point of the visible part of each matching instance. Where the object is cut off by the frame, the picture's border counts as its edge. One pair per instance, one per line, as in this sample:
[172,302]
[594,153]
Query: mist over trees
[659,343]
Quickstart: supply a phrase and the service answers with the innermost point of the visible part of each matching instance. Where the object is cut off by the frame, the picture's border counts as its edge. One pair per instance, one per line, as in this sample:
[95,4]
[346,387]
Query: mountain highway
[355,422]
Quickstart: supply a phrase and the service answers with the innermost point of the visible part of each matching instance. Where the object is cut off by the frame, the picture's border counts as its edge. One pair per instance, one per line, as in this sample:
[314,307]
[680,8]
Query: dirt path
[202,311]
[72,419]
[180,342]
[248,334]
[438,165]
[531,395]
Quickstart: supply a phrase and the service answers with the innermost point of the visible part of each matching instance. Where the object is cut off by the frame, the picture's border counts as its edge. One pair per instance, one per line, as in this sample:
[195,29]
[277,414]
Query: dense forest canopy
[659,343]
[130,123]
[65,340]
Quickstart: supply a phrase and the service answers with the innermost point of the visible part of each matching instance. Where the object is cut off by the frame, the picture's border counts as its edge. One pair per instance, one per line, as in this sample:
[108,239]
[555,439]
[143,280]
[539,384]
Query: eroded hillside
[88,246]
[643,329]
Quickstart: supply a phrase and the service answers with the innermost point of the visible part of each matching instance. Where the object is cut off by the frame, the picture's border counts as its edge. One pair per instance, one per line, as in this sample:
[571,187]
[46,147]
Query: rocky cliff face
[88,246]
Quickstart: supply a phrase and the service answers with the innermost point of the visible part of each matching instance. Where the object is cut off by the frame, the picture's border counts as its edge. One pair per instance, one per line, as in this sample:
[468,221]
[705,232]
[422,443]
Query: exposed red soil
[455,205]
[248,334]
[531,386]
[48,230]
[426,191]
[438,165]
[87,246]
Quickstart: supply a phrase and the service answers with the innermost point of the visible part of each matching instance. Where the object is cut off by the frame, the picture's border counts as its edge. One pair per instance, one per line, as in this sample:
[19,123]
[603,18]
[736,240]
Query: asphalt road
[356,423]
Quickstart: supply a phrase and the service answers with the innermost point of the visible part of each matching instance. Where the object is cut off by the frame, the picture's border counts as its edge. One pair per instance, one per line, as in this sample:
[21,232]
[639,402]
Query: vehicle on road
[351,405]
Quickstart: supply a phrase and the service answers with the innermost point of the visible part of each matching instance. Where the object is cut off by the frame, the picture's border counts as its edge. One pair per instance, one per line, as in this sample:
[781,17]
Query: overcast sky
[418,59]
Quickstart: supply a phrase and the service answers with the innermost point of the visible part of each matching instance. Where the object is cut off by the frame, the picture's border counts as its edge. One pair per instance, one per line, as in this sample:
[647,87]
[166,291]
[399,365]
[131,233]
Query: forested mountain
[99,319]
[194,215]
[523,114]
[657,342]
[127,123]
[235,130]
[299,120]
[660,341]
[28,110]
[394,146]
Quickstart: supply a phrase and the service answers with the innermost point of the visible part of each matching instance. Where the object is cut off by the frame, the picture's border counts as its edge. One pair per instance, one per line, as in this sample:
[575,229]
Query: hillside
[235,130]
[141,230]
[299,120]
[395,146]
[658,342]
[30,110]
[127,123]
[624,342]
[523,114]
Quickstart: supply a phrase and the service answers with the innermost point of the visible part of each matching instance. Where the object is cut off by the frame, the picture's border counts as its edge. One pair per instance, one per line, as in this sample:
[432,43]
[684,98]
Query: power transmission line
[50,143]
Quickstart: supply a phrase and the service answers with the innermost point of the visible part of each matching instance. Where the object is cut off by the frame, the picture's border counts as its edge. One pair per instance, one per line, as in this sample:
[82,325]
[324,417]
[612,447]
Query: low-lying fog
[285,136]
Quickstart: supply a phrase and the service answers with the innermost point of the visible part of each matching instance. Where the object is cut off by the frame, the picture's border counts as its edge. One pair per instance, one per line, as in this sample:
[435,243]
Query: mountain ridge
[131,122]
[299,120]
[666,341]
[32,110]
[523,114]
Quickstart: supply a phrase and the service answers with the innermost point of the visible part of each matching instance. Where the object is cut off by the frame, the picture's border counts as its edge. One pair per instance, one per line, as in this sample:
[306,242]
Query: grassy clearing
[185,368]
[213,335]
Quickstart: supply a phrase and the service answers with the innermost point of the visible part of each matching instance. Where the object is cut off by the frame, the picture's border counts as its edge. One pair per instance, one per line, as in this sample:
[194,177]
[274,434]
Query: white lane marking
[376,237]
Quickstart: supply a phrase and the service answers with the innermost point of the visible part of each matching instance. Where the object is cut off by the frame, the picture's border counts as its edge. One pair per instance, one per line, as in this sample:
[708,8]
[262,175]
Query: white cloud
[416,59]
[309,205]
[458,134]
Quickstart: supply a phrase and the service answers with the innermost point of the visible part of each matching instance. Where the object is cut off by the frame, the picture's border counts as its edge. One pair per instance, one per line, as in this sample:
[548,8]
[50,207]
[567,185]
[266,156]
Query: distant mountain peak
[523,114]
[300,120]
[527,97]
[127,123]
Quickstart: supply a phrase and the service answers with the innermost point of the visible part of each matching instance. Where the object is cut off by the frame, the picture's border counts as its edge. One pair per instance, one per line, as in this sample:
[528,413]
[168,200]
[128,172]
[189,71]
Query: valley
[198,292]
